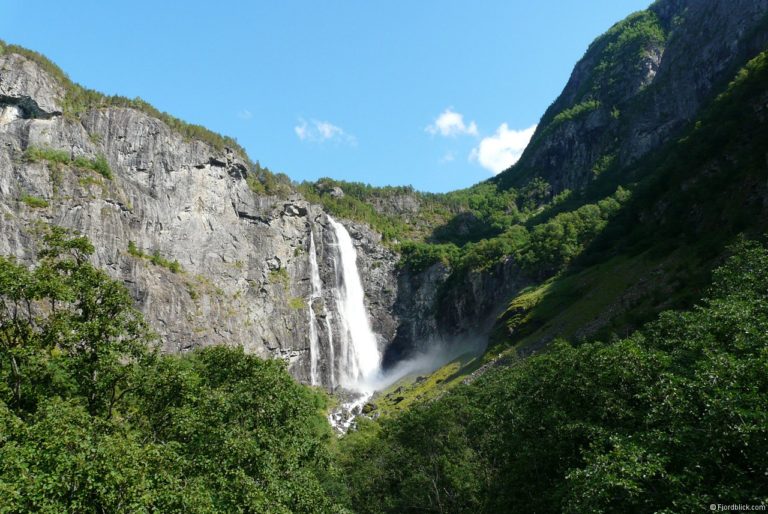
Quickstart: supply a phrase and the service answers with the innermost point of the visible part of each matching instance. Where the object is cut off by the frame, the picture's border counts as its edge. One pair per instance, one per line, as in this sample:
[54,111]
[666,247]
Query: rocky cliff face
[244,259]
[435,308]
[636,88]
[638,85]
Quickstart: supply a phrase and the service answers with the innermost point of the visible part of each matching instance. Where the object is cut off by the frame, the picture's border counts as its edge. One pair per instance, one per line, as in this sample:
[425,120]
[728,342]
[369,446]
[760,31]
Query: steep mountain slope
[172,213]
[630,410]
[609,137]
[180,194]
[699,194]
[638,85]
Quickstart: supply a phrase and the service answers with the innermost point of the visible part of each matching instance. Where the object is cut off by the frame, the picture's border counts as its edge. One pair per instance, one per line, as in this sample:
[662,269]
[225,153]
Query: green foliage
[484,254]
[255,185]
[561,197]
[622,51]
[37,154]
[98,164]
[91,323]
[420,256]
[298,303]
[665,420]
[542,251]
[484,211]
[155,258]
[133,250]
[574,112]
[445,221]
[357,204]
[263,182]
[92,419]
[603,164]
[159,260]
[553,244]
[535,192]
[34,201]
[571,113]
[279,276]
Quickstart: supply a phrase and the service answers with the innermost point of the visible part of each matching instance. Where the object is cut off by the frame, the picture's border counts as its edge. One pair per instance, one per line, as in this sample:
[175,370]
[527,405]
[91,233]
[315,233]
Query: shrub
[297,303]
[155,258]
[98,164]
[34,201]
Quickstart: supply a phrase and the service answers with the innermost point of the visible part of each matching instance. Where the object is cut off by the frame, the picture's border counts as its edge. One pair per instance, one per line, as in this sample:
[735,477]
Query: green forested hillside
[670,419]
[669,215]
[92,419]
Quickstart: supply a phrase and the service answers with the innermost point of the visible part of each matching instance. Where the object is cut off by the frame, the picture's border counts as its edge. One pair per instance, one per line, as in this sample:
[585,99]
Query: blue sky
[436,94]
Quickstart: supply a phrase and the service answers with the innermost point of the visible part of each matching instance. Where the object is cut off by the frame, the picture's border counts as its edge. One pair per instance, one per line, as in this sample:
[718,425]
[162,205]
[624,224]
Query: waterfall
[360,358]
[316,292]
[331,350]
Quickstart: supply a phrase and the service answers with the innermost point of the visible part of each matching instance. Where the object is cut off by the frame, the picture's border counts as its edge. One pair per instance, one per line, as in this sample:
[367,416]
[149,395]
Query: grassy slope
[420,387]
[697,196]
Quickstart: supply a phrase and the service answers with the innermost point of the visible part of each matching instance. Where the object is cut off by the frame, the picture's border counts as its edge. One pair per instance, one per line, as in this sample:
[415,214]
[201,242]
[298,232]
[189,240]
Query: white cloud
[301,130]
[448,157]
[245,114]
[450,124]
[321,131]
[503,149]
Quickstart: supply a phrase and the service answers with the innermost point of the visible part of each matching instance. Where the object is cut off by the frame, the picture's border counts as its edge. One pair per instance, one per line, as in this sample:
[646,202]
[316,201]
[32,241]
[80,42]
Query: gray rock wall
[244,257]
[652,98]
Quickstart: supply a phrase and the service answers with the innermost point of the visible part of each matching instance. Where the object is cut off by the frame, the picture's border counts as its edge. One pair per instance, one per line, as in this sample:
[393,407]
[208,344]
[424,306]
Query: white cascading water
[359,365]
[317,292]
[331,350]
[360,359]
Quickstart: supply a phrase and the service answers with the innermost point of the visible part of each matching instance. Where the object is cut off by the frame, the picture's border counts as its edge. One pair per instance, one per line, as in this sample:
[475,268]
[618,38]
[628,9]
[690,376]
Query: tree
[92,419]
[67,318]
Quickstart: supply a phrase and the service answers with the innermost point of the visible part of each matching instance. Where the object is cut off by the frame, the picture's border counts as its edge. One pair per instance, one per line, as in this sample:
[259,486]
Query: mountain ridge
[452,250]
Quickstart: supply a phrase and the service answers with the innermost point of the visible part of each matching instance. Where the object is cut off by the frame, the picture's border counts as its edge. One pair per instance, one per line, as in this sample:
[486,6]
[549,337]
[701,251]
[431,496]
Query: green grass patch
[279,276]
[155,258]
[574,112]
[97,164]
[34,201]
[297,303]
[421,387]
[38,154]
[605,300]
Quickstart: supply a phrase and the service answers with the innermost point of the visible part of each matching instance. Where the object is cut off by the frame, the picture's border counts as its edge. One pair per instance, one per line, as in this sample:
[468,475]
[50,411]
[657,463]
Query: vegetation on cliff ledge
[78,100]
